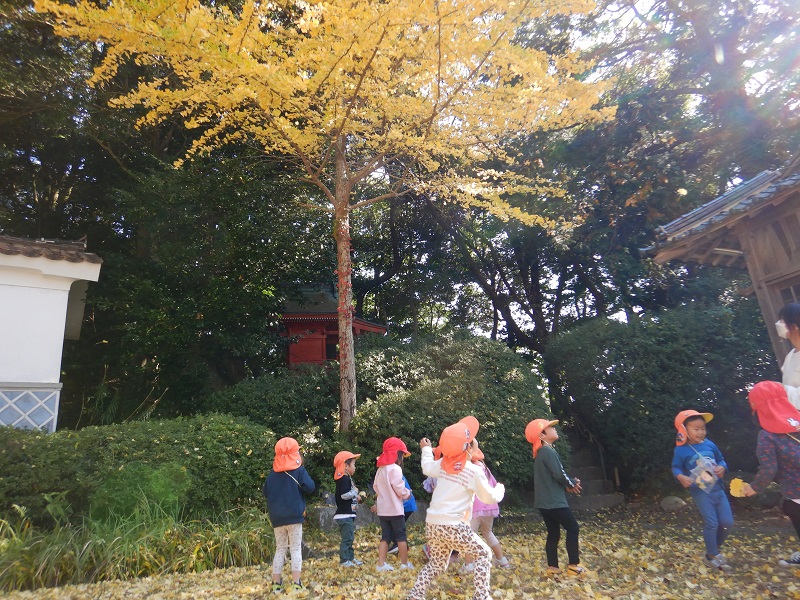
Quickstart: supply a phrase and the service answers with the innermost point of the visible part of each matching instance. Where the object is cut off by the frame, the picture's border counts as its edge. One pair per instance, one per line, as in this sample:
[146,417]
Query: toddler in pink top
[483,516]
[391,491]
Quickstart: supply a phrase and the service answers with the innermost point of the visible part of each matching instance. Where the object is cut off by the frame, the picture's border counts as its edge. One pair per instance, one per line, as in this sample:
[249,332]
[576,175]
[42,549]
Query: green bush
[415,389]
[290,402]
[625,382]
[122,492]
[302,403]
[224,459]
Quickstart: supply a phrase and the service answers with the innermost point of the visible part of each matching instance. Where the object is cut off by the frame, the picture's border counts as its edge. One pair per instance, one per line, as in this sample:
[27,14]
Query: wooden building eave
[710,234]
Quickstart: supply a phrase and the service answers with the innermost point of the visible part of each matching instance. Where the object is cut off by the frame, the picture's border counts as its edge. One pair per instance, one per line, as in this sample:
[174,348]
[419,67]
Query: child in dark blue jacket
[284,489]
[347,498]
[698,466]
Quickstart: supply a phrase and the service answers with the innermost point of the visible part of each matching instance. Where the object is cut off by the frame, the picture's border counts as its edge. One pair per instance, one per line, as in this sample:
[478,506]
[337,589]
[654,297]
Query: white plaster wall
[34,293]
[31,333]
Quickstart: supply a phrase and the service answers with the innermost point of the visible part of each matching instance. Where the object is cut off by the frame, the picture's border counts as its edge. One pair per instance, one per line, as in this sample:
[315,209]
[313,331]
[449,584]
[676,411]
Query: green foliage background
[408,389]
[414,389]
[625,382]
[202,465]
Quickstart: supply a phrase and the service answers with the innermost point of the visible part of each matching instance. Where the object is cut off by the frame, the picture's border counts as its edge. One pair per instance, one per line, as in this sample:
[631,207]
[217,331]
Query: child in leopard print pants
[447,525]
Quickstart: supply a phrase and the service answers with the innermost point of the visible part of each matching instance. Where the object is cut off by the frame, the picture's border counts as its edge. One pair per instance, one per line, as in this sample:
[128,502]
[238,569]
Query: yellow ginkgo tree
[407,94]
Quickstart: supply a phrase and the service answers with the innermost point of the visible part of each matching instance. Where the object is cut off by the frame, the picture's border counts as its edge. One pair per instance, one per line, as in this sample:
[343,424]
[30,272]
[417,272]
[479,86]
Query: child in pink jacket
[391,491]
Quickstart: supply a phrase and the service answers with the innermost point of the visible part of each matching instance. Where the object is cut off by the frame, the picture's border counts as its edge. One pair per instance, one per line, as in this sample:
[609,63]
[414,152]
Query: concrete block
[597,502]
[596,486]
[587,473]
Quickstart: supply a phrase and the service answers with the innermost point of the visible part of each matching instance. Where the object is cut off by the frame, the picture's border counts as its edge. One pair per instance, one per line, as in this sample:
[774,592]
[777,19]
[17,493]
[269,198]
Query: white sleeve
[794,395]
[430,467]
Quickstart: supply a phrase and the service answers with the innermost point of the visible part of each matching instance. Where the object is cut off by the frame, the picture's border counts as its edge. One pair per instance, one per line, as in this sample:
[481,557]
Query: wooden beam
[768,309]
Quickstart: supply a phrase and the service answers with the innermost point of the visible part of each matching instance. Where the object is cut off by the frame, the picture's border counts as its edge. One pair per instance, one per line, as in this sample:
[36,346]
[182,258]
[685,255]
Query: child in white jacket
[447,525]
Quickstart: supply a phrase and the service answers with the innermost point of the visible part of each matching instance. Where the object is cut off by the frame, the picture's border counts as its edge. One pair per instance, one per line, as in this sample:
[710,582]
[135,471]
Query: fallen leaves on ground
[634,554]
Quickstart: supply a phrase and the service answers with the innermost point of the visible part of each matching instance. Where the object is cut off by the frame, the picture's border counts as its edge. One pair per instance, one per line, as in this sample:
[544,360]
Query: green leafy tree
[54,176]
[189,299]
[409,273]
[702,97]
[727,64]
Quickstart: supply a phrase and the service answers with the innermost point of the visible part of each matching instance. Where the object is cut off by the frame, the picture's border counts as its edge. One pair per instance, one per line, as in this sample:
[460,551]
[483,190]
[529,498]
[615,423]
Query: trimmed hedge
[302,403]
[290,402]
[423,386]
[204,465]
[626,382]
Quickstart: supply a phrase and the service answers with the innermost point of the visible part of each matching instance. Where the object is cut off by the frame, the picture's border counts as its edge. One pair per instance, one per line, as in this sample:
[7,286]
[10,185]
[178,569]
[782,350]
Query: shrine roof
[706,234]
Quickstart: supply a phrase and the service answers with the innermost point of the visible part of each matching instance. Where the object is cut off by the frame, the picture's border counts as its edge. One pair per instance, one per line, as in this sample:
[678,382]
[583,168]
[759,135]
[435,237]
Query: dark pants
[347,527]
[792,510]
[554,520]
[393,542]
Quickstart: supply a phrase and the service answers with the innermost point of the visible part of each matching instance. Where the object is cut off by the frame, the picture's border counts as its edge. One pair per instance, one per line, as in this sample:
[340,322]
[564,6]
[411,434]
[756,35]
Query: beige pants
[288,537]
[484,526]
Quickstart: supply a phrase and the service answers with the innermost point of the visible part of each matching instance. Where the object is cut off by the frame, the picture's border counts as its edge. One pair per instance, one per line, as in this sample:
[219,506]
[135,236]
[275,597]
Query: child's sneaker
[357,562]
[407,565]
[503,563]
[393,549]
[277,588]
[298,585]
[792,561]
[348,563]
[384,567]
[575,570]
[717,562]
[467,568]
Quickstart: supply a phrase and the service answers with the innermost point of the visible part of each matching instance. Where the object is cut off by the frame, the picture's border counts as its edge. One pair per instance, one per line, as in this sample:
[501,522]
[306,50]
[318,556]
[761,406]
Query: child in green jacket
[551,484]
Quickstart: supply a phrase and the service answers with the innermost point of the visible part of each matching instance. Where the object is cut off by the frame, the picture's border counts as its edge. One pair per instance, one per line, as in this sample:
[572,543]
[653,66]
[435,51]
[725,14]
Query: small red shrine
[313,327]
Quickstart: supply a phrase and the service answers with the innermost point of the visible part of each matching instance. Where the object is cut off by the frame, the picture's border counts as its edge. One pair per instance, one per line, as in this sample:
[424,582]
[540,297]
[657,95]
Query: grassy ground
[631,553]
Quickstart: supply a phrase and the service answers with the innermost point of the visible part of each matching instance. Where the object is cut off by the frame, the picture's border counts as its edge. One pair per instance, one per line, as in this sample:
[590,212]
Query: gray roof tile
[71,251]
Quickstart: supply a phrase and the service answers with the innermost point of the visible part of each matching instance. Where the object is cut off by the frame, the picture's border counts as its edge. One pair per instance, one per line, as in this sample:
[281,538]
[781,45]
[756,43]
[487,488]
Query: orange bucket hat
[287,455]
[391,447]
[775,413]
[454,442]
[680,419]
[534,429]
[339,460]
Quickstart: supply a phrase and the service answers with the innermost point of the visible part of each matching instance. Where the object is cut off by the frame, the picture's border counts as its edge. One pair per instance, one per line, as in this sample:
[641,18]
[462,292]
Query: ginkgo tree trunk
[363,94]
